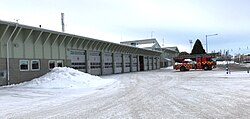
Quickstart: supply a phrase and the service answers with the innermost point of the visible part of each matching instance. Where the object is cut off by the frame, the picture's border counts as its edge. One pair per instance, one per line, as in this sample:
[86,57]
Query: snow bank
[63,77]
[224,62]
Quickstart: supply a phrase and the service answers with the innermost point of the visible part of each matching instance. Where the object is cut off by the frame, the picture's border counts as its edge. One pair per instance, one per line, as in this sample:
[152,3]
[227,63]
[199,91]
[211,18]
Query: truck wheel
[205,67]
[183,68]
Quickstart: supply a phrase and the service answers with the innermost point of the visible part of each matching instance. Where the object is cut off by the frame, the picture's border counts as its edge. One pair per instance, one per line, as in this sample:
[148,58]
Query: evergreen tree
[198,48]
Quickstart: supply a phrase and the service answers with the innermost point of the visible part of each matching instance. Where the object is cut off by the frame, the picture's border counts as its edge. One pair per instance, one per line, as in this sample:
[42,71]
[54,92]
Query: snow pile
[224,62]
[63,77]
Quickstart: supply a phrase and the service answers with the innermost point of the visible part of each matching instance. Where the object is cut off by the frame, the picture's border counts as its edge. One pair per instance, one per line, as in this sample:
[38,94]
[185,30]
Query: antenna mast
[62,18]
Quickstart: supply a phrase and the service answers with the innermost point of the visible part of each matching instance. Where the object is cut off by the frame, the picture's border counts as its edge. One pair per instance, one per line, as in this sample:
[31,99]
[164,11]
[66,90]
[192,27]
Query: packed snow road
[164,93]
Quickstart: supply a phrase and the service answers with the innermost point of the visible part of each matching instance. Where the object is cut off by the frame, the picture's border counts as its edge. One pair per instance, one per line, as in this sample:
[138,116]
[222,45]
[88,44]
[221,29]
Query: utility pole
[206,40]
[163,42]
[191,43]
[152,34]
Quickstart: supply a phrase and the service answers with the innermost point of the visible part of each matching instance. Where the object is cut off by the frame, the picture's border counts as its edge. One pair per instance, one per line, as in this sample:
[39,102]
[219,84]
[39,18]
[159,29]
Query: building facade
[168,53]
[28,52]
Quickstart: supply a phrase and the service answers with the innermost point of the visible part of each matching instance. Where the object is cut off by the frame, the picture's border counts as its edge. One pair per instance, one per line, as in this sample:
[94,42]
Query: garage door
[78,60]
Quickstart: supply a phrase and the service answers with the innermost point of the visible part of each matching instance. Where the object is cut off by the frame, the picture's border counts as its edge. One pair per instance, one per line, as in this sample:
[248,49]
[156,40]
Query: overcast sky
[173,21]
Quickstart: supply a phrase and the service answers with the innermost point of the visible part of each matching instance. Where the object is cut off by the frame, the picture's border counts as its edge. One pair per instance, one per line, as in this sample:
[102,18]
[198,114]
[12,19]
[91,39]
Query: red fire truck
[187,62]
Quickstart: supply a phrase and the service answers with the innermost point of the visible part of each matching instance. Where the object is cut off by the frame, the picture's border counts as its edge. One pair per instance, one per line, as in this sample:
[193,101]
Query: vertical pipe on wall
[7,55]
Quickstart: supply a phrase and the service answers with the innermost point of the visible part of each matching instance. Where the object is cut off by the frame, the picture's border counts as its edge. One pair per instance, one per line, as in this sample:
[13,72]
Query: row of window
[34,65]
[25,65]
[127,64]
[78,67]
[78,63]
[55,63]
[108,65]
[118,64]
[95,65]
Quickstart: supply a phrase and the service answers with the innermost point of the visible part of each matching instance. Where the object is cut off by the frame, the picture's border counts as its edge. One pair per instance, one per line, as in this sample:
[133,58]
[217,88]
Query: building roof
[174,49]
[104,45]
[145,43]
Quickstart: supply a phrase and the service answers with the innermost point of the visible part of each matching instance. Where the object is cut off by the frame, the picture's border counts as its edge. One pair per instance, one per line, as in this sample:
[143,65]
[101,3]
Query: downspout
[7,56]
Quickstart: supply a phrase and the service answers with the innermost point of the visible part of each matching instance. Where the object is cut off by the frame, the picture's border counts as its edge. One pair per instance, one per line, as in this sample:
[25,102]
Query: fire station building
[28,52]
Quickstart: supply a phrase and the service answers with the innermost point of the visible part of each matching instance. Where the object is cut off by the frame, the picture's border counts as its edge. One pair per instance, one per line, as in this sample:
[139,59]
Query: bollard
[227,70]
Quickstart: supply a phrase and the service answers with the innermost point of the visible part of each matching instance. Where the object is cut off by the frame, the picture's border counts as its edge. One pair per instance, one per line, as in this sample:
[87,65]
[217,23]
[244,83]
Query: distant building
[168,53]
[150,44]
[246,58]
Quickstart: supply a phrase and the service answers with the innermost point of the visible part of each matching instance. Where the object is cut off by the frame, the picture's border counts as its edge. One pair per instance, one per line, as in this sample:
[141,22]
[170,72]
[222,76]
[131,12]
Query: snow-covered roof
[145,45]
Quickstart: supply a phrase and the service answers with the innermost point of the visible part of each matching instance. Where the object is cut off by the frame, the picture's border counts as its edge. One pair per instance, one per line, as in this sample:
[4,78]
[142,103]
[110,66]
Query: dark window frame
[21,67]
[39,65]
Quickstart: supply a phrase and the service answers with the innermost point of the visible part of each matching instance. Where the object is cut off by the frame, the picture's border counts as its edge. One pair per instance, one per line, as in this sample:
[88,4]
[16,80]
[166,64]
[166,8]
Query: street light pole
[206,40]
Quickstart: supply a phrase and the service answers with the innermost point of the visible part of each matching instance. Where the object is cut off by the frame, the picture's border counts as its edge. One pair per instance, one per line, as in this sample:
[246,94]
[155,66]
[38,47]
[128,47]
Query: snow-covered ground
[164,93]
[224,62]
[54,88]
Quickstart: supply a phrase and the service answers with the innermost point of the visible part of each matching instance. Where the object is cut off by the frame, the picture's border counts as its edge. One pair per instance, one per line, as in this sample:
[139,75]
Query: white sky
[175,21]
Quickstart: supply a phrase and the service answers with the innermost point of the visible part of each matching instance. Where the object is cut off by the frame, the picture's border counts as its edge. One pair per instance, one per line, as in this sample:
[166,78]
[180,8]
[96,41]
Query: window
[55,63]
[52,64]
[59,63]
[24,65]
[95,65]
[35,65]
